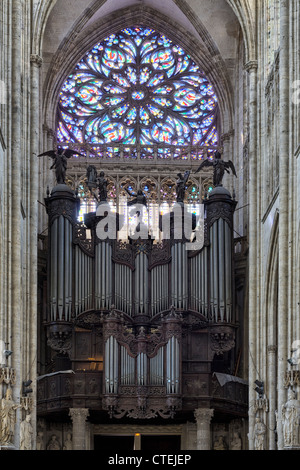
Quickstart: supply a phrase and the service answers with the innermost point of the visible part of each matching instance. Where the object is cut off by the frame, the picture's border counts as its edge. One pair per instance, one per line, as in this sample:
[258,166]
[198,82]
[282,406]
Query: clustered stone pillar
[203,418]
[252,69]
[284,185]
[79,416]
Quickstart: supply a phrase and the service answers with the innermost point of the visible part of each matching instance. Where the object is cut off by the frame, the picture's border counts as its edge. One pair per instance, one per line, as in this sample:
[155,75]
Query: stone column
[285,161]
[203,418]
[15,309]
[251,68]
[79,416]
[36,63]
[272,350]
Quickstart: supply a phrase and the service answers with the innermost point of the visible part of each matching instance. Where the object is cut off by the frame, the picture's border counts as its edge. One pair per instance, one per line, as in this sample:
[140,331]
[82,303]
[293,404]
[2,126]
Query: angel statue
[93,181]
[138,198]
[219,167]
[181,185]
[60,157]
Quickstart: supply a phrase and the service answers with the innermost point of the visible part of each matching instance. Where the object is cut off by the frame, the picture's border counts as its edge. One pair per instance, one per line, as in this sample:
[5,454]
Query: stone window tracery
[138,88]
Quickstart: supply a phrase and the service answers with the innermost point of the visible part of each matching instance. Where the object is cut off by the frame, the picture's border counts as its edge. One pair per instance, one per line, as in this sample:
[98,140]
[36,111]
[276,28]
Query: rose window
[137,88]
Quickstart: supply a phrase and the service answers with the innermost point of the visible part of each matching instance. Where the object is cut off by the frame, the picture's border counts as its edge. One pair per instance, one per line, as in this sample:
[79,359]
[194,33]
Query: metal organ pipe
[83,281]
[61,269]
[123,286]
[216,269]
[172,365]
[179,276]
[205,280]
[142,369]
[228,273]
[141,283]
[54,269]
[221,257]
[111,365]
[127,368]
[221,272]
[103,276]
[157,368]
[199,283]
[159,288]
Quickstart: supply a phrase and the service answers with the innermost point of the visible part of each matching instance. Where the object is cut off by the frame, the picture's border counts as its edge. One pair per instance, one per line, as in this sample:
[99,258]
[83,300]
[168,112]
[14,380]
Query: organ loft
[142,330]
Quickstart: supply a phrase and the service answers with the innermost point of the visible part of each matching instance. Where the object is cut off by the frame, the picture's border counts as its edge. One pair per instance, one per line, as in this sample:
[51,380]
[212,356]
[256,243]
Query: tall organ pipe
[228,274]
[54,269]
[62,201]
[103,276]
[172,366]
[159,288]
[61,269]
[219,209]
[111,365]
[221,266]
[179,276]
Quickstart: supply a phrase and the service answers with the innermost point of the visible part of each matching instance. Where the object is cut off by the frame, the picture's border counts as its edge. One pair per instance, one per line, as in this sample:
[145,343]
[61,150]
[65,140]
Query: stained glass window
[137,87]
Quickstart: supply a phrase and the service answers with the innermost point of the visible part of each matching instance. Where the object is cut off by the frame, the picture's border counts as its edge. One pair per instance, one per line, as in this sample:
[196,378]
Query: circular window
[137,87]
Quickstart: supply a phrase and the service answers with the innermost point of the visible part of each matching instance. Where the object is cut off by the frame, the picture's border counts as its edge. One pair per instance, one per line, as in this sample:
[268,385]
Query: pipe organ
[143,298]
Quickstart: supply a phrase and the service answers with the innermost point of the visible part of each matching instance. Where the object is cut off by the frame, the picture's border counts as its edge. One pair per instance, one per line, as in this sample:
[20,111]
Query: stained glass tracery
[137,87]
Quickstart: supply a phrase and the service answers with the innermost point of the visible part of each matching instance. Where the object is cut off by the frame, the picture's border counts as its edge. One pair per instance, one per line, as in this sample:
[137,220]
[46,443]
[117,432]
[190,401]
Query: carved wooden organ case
[142,299]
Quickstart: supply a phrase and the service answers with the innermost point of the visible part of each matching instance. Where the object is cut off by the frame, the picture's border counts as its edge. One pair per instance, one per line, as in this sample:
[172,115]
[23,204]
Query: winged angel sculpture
[219,167]
[60,157]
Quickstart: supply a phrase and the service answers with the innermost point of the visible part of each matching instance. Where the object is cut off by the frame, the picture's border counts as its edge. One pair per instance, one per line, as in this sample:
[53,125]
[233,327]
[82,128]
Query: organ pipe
[111,365]
[157,368]
[179,276]
[159,289]
[221,272]
[172,366]
[61,270]
[123,288]
[103,276]
[141,283]
[127,374]
[142,369]
[199,284]
[83,281]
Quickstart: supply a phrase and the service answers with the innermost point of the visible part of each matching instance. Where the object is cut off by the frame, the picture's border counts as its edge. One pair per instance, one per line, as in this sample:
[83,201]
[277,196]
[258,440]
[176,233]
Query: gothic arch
[246,17]
[69,54]
[40,18]
[41,15]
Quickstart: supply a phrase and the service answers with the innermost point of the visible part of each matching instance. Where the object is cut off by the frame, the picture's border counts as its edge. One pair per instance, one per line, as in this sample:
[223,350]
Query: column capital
[35,59]
[227,136]
[203,415]
[250,66]
[79,413]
